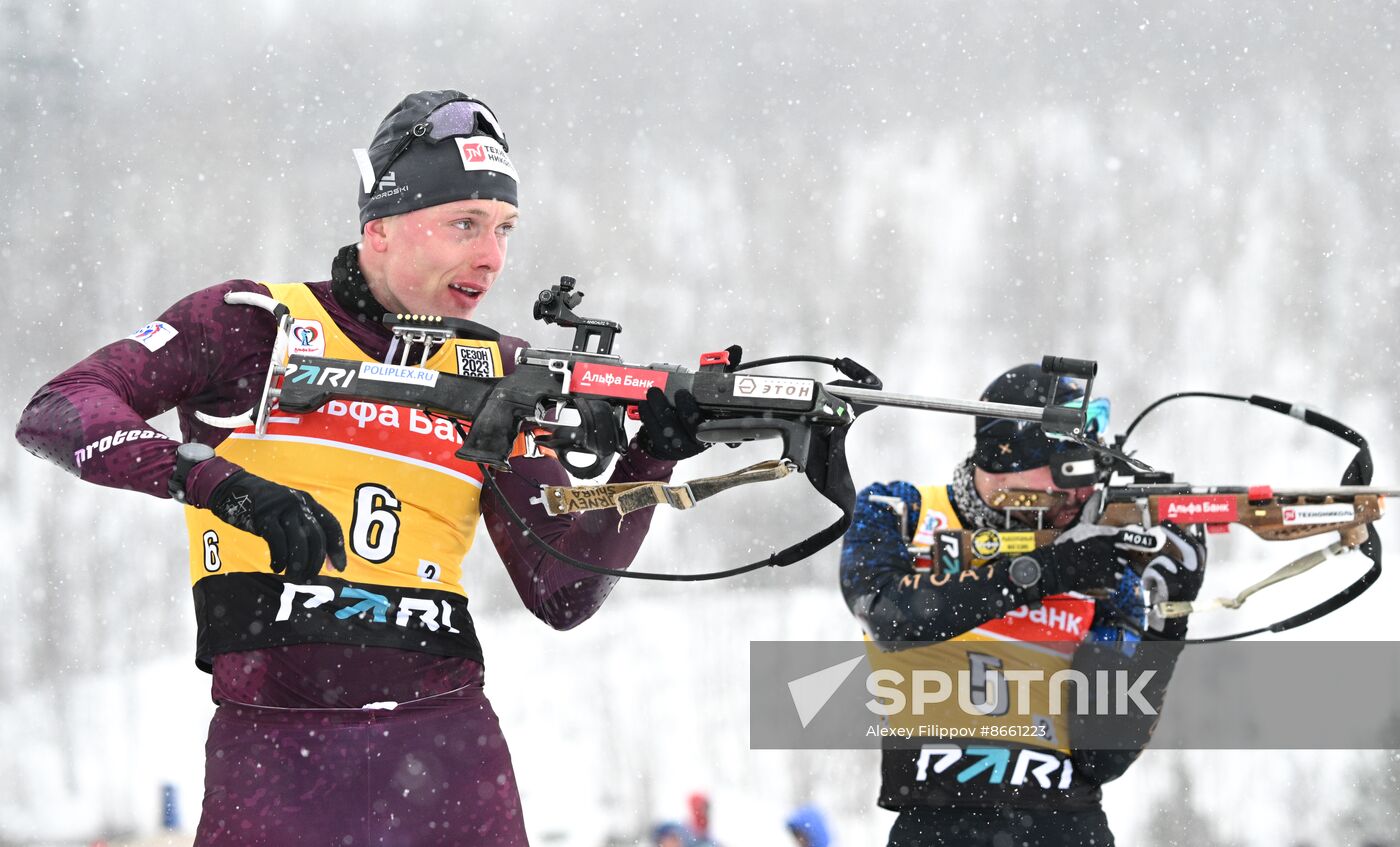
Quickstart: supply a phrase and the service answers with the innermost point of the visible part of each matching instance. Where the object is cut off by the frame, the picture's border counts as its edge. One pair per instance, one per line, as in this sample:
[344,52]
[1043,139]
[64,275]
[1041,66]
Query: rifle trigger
[1146,513]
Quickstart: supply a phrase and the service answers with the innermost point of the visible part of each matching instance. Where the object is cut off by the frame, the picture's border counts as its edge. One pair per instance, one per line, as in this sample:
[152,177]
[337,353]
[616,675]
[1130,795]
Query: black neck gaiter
[351,289]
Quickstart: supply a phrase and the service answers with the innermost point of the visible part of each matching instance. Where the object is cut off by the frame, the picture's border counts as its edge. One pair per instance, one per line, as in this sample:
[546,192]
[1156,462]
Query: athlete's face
[440,260]
[1036,479]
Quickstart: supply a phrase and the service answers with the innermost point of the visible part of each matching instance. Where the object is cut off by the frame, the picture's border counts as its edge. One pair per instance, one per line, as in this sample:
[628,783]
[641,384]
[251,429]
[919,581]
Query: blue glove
[874,548]
[873,519]
[1126,603]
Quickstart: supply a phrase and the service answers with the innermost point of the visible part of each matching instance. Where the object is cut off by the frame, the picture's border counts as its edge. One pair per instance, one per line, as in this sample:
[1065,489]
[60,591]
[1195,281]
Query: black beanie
[1005,445]
[418,165]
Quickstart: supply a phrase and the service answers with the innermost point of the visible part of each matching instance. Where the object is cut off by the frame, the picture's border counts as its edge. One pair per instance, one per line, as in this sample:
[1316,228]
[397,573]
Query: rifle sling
[1301,565]
[629,497]
[1326,607]
[842,496]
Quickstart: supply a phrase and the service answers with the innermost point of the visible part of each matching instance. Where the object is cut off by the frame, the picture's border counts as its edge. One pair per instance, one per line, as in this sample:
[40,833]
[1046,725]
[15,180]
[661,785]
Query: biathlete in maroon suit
[351,707]
[1000,775]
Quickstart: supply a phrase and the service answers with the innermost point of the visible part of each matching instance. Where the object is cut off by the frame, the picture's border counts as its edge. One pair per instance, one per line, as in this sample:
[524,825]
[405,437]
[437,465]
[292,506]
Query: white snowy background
[1200,196]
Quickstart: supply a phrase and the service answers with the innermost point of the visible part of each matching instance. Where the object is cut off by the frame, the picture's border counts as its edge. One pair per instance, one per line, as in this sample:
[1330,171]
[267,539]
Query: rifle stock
[1272,516]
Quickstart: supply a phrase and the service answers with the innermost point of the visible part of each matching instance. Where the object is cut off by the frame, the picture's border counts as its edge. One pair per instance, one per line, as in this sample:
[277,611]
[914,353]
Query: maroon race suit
[294,756]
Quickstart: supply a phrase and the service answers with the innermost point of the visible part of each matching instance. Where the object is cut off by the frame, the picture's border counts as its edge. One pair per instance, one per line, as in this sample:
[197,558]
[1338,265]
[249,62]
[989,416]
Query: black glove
[860,377]
[668,431]
[736,355]
[299,532]
[1177,572]
[1081,559]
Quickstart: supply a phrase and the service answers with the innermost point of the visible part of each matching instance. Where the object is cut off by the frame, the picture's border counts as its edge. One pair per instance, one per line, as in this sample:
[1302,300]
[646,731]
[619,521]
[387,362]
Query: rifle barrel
[1177,489]
[937,404]
[1337,491]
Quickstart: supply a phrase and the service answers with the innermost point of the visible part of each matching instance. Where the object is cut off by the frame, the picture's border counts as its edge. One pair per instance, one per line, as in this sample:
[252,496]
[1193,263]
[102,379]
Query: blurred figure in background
[808,827]
[700,819]
[671,834]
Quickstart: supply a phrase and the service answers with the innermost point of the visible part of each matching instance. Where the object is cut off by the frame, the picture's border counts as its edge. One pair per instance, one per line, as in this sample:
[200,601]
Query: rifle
[1132,496]
[574,403]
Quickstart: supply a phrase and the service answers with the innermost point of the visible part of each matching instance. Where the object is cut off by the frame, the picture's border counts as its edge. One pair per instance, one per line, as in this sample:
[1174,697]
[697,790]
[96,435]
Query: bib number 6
[374,529]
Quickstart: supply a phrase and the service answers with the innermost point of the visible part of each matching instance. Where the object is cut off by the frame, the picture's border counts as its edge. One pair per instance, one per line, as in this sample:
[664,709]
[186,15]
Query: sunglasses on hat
[456,118]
